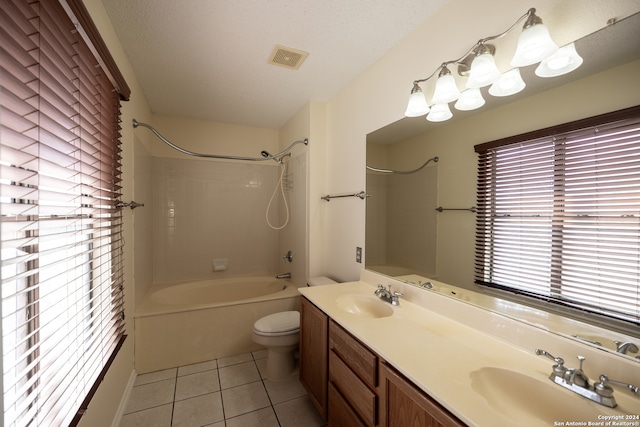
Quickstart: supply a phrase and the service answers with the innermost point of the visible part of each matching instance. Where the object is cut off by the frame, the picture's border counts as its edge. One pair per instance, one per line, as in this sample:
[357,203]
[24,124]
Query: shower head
[265,153]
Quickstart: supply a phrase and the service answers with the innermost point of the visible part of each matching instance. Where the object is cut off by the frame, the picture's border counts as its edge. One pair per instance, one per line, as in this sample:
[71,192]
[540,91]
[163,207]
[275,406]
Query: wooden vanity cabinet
[351,386]
[314,334]
[353,379]
[406,405]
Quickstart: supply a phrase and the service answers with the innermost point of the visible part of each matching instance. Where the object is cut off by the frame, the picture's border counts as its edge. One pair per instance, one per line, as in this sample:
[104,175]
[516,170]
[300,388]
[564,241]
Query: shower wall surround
[205,210]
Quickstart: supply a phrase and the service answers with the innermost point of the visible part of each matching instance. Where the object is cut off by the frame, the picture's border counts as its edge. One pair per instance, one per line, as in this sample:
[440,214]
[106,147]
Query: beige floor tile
[298,412]
[234,360]
[150,395]
[153,377]
[281,391]
[198,411]
[197,367]
[197,384]
[160,416]
[261,418]
[235,375]
[245,398]
[260,354]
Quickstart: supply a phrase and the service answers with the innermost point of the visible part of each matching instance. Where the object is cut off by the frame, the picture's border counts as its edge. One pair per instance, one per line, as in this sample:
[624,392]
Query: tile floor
[228,392]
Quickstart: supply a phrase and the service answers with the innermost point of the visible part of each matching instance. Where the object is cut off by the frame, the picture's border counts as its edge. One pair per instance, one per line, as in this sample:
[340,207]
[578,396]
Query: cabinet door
[406,405]
[314,338]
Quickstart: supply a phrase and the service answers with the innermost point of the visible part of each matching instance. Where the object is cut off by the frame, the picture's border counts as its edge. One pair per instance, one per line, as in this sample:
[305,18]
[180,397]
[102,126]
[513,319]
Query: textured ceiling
[208,59]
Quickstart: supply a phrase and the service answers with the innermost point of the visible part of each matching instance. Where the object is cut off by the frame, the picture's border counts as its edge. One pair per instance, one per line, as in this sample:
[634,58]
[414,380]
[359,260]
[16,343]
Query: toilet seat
[277,324]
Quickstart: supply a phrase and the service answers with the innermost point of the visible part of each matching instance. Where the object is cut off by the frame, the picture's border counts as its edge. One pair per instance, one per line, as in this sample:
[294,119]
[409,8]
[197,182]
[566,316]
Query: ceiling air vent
[287,57]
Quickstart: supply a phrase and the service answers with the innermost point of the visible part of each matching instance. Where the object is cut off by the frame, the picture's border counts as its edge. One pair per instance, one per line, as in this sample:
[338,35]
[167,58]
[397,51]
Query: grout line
[224,415]
[175,390]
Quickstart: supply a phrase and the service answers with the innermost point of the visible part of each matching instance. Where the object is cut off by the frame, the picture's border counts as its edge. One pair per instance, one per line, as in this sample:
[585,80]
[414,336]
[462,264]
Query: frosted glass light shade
[446,90]
[417,105]
[483,71]
[564,61]
[470,99]
[534,45]
[439,113]
[509,83]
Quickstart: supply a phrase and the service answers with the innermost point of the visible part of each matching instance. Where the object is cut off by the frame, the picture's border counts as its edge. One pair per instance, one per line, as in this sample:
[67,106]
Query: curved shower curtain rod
[434,159]
[265,154]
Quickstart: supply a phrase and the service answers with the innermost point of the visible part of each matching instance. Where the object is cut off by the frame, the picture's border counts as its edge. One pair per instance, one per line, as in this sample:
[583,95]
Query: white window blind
[559,215]
[61,233]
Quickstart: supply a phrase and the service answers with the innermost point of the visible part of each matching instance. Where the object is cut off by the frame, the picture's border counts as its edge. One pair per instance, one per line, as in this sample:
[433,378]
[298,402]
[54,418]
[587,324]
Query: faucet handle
[625,347]
[603,388]
[394,297]
[558,368]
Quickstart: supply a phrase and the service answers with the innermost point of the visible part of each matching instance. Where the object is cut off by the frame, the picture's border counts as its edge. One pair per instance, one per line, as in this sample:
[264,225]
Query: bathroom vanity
[433,360]
[352,385]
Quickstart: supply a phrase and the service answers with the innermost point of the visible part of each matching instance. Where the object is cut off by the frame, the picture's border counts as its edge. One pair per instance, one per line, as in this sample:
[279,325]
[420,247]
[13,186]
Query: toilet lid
[286,321]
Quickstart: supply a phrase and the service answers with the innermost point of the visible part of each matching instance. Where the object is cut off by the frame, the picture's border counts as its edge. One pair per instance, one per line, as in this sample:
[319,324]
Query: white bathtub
[185,323]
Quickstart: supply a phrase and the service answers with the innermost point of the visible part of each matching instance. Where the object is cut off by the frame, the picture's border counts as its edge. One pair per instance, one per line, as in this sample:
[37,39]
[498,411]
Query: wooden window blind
[559,215]
[61,232]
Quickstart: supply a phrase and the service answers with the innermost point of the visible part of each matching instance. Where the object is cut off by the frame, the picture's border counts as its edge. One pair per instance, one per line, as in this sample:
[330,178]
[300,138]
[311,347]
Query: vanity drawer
[355,392]
[340,412]
[355,355]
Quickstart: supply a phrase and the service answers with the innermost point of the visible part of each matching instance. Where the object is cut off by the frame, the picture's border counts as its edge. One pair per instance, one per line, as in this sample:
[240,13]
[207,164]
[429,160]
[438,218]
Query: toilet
[280,334]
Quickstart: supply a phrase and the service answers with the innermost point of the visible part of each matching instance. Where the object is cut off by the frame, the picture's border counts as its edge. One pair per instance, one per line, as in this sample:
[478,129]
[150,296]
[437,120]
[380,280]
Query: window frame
[483,266]
[93,235]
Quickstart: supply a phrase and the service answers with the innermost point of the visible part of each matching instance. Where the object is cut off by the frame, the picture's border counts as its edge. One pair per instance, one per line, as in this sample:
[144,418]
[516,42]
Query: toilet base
[281,362]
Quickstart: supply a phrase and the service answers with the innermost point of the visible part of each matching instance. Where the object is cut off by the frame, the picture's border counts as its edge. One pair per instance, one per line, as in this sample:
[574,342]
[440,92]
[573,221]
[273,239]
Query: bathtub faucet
[284,276]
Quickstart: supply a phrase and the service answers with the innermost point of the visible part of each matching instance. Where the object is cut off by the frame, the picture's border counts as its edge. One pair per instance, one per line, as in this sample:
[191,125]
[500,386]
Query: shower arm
[434,159]
[265,154]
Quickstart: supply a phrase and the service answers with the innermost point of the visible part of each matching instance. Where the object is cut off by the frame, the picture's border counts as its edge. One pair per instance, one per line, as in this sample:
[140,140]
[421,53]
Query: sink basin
[364,305]
[521,397]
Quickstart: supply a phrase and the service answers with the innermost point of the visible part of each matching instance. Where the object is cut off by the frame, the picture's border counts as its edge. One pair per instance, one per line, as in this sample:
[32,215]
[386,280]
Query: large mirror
[420,225]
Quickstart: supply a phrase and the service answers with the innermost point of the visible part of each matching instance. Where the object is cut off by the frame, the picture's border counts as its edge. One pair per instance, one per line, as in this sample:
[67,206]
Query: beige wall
[378,97]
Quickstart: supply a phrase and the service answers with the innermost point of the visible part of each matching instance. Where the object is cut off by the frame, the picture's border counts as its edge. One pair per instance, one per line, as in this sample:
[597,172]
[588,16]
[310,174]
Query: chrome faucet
[284,276]
[574,379]
[426,285]
[577,376]
[626,347]
[387,295]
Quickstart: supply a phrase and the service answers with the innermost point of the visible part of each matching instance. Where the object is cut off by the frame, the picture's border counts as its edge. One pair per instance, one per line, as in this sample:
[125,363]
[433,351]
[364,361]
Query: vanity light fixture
[446,88]
[565,60]
[509,83]
[417,103]
[478,65]
[439,113]
[483,70]
[470,99]
[534,44]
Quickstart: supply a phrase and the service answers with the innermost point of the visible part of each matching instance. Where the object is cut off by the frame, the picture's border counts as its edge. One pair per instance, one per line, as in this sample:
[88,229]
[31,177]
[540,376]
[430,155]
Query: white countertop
[432,343]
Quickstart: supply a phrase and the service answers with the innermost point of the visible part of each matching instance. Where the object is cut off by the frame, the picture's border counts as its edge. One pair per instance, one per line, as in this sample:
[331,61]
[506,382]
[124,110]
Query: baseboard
[125,399]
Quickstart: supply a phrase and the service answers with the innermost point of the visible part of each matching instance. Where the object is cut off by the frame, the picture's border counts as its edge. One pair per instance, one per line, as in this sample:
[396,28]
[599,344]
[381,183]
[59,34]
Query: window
[559,215]
[61,232]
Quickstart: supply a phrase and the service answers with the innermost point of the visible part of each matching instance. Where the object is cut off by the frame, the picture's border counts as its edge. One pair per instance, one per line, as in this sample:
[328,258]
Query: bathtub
[183,323]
